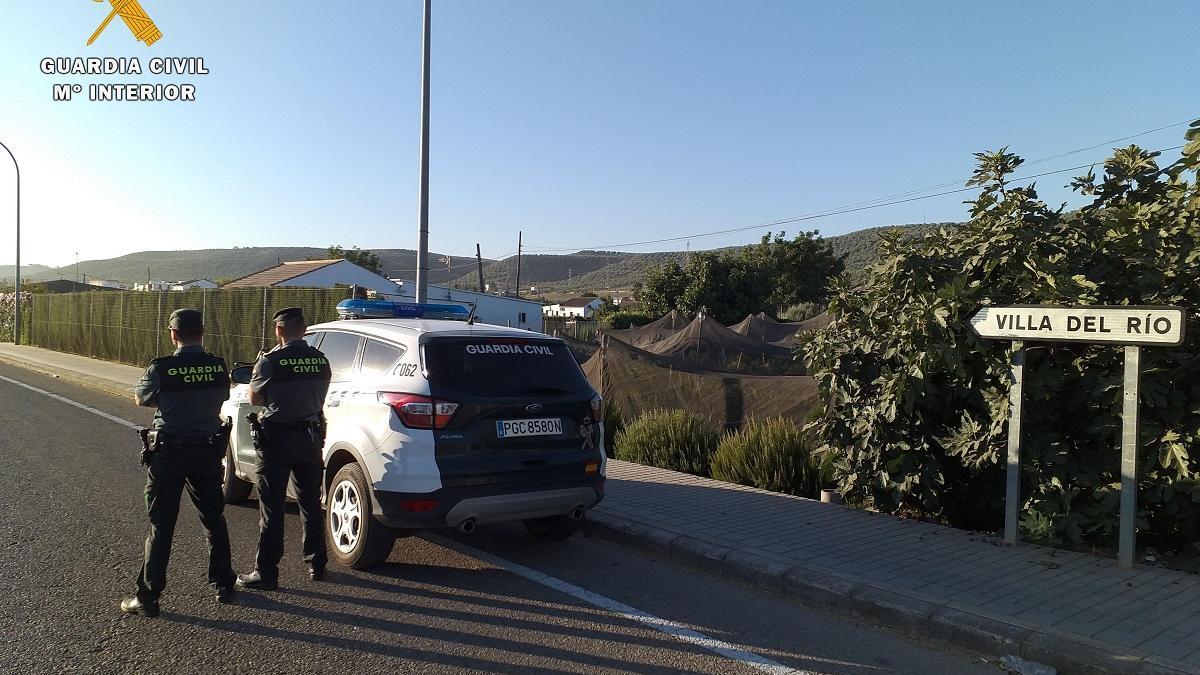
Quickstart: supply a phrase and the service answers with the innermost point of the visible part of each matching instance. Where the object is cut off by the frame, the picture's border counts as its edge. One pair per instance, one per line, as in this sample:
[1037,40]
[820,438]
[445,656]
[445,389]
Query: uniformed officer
[290,381]
[188,388]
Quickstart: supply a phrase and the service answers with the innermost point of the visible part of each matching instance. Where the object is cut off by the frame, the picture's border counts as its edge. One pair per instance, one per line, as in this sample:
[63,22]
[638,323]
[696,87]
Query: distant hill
[236,262]
[570,273]
[595,270]
[8,272]
[861,248]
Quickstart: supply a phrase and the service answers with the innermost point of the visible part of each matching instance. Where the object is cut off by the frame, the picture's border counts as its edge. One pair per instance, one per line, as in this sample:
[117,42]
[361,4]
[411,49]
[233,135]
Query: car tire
[552,528]
[355,539]
[234,488]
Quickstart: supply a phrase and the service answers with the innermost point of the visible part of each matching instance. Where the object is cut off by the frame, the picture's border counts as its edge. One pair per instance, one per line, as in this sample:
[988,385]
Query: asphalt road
[72,523]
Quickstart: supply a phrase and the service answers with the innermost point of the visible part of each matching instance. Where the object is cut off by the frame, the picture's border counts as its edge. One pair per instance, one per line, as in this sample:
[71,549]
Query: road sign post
[1012,469]
[1130,326]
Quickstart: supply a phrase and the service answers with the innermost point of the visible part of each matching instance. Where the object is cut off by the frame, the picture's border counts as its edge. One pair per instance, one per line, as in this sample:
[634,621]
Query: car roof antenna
[471,316]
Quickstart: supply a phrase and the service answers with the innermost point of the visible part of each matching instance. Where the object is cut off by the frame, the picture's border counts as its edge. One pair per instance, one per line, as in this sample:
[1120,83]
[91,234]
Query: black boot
[316,572]
[140,607]
[255,580]
[227,594]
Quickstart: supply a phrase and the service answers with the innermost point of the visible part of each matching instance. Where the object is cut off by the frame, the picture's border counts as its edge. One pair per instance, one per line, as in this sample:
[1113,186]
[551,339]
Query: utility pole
[479,263]
[76,268]
[17,277]
[519,264]
[422,292]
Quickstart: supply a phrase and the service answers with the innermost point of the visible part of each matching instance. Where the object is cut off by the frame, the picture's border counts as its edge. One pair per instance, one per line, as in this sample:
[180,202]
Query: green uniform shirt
[295,378]
[188,388]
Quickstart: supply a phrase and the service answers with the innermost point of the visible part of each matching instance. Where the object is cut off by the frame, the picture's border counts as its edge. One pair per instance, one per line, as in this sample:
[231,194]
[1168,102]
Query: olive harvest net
[636,381]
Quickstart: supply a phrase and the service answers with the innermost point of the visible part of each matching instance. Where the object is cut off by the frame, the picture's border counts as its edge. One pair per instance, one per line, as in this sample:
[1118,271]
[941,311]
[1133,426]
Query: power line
[942,186]
[814,216]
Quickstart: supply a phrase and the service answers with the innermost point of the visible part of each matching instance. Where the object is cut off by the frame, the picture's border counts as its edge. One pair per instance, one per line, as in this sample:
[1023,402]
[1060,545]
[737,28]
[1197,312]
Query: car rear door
[525,412]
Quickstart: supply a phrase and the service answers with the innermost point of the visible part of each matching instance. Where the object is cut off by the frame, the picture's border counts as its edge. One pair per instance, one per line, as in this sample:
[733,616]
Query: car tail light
[597,409]
[420,412]
[418,505]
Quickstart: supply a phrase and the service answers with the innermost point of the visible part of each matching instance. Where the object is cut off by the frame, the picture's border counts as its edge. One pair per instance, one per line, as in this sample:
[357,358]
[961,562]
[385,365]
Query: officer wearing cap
[184,449]
[290,381]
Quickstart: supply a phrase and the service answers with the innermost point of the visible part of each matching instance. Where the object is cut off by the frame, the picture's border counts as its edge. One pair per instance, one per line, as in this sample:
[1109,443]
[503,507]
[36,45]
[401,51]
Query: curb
[90,381]
[911,615]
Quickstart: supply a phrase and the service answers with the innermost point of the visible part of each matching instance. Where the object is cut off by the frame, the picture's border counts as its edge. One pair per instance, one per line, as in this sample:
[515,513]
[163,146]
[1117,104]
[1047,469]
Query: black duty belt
[303,425]
[169,440]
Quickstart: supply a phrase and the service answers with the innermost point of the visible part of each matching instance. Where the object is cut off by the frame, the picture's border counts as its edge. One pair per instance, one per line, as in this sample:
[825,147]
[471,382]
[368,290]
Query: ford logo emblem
[534,408]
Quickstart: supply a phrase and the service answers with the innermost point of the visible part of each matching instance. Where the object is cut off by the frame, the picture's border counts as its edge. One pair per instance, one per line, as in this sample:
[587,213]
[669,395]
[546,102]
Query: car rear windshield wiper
[546,390]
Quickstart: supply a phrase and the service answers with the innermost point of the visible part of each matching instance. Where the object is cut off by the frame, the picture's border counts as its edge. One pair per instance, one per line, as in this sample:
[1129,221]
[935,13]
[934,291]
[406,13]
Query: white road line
[56,397]
[676,630]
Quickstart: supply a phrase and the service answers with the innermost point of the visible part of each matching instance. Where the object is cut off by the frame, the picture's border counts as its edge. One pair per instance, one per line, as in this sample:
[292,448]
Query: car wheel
[553,528]
[235,489]
[355,538]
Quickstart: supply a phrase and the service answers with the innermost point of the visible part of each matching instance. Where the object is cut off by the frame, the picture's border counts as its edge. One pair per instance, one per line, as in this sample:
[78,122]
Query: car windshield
[503,367]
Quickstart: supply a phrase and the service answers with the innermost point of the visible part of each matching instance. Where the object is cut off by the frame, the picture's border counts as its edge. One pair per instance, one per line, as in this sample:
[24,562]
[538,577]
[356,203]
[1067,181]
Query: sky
[583,124]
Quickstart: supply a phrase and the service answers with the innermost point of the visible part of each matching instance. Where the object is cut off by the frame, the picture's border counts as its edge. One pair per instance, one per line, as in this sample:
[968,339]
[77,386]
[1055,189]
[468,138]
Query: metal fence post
[204,310]
[120,325]
[1012,493]
[158,325]
[262,344]
[1127,542]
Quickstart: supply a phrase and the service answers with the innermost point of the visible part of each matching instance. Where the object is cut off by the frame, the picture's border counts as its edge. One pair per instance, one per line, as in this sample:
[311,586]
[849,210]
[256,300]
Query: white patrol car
[438,423]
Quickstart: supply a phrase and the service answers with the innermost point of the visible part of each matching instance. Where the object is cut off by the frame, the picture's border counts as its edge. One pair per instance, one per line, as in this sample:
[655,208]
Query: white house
[575,307]
[152,286]
[316,274]
[194,283]
[500,310]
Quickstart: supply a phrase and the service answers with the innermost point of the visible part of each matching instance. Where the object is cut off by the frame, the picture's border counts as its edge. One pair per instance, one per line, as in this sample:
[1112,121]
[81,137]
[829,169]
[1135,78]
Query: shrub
[774,455]
[670,439]
[614,424]
[918,405]
[622,320]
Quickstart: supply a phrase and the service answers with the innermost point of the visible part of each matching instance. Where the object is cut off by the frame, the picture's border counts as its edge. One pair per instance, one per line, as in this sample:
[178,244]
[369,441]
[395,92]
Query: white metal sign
[1147,326]
[1131,326]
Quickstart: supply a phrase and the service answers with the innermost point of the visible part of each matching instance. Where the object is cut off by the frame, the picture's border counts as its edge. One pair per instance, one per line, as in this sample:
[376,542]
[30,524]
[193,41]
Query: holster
[144,435]
[320,428]
[258,432]
[220,440]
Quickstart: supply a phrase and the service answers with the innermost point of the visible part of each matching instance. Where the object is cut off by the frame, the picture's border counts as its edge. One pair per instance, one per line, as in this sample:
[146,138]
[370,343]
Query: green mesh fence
[8,316]
[131,326]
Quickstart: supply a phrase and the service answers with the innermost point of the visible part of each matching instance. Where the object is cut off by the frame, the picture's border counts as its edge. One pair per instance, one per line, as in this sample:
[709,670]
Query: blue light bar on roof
[386,309]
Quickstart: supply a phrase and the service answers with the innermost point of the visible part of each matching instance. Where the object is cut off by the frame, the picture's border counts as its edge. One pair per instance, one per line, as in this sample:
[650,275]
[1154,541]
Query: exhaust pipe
[467,526]
[577,513]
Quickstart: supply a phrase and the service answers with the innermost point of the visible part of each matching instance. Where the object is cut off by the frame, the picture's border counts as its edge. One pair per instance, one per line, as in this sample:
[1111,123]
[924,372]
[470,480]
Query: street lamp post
[423,189]
[17,274]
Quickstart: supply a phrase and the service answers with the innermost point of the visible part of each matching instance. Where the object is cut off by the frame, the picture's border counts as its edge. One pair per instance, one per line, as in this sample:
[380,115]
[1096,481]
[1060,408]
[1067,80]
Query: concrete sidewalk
[1077,612]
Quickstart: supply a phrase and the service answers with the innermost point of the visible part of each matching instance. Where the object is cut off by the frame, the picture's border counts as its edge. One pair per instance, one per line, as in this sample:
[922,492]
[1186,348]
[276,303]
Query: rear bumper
[486,504]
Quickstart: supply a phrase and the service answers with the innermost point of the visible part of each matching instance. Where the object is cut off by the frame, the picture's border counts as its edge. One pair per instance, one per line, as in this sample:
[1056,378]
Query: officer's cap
[187,320]
[289,314]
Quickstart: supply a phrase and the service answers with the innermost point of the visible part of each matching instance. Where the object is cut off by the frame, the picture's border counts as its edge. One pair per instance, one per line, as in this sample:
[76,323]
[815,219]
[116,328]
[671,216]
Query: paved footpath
[1078,612]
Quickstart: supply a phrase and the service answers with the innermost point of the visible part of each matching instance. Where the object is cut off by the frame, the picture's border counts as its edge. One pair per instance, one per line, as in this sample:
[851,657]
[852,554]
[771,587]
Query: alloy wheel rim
[345,516]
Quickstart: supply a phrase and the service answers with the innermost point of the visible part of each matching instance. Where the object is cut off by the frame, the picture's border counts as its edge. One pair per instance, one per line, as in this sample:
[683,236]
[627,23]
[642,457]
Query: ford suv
[441,423]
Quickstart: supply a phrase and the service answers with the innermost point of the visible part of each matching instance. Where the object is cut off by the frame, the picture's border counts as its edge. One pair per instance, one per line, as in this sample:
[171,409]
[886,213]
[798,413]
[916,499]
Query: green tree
[361,257]
[663,285]
[916,406]
[724,285]
[801,267]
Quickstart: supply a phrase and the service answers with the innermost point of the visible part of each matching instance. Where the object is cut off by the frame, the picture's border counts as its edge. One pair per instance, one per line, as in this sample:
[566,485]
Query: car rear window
[503,367]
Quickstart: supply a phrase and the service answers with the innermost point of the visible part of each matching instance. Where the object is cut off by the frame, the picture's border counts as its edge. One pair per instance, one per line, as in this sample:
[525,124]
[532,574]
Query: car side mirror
[242,374]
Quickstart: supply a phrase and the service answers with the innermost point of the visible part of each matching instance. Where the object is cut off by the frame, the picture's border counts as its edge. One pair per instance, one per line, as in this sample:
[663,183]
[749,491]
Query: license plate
[550,426]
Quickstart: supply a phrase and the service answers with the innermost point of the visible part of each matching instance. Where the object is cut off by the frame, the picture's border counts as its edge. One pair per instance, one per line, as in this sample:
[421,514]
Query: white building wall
[494,309]
[342,272]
